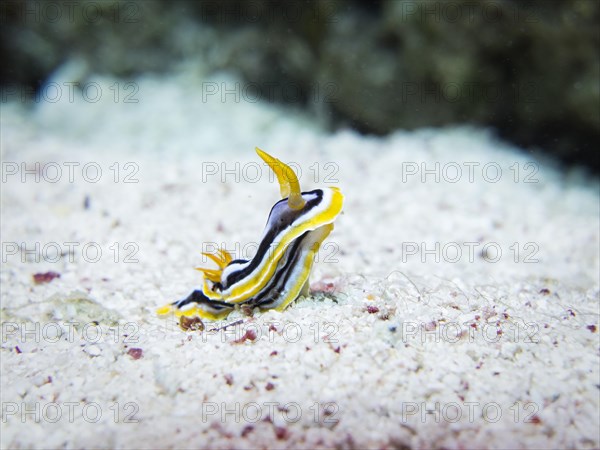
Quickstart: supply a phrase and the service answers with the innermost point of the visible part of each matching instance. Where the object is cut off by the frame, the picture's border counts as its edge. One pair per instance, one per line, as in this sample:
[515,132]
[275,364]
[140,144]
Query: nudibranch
[279,271]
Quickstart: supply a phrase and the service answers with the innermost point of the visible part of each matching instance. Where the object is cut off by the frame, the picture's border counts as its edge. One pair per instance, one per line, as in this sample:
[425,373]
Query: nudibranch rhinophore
[279,271]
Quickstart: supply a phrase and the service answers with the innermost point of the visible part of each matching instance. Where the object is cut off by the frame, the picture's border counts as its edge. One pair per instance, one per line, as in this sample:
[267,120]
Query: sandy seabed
[455,305]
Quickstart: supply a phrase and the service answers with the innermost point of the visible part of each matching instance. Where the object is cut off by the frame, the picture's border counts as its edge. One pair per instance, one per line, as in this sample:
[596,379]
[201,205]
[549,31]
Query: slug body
[279,271]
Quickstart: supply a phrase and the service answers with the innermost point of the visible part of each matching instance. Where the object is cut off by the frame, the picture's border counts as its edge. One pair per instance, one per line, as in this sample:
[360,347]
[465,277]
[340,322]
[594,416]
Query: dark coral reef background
[528,69]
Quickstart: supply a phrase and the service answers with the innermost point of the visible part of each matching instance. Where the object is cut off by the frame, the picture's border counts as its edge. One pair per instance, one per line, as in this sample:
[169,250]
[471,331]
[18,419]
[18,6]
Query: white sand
[503,354]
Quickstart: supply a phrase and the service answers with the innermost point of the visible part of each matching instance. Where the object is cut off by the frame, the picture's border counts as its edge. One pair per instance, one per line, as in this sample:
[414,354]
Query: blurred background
[530,70]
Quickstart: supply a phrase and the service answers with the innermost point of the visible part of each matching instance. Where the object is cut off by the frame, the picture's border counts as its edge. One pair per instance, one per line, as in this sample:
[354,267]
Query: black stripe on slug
[198,297]
[276,225]
[273,290]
